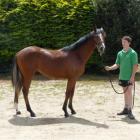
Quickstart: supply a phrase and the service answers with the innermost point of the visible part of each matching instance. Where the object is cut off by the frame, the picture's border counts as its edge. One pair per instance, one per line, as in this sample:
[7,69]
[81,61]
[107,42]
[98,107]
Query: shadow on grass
[27,121]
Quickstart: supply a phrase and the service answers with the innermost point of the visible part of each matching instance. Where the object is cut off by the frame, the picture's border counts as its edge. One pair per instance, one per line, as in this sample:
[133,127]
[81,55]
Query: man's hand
[113,67]
[107,68]
[132,80]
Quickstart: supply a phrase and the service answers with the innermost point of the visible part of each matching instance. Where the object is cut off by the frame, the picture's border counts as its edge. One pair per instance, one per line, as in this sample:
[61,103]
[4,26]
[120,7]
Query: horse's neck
[86,51]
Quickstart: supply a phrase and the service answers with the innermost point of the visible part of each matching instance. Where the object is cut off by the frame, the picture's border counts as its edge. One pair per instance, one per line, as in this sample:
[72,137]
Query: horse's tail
[16,79]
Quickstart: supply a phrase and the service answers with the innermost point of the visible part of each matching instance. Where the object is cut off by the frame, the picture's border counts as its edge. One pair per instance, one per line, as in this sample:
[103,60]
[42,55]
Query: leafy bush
[58,23]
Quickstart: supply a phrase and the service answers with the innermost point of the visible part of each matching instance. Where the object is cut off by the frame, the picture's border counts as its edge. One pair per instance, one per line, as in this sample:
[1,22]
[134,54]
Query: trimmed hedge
[58,23]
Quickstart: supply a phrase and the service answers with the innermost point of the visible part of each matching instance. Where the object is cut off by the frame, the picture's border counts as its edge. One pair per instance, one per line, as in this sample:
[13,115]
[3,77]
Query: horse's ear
[95,28]
[103,32]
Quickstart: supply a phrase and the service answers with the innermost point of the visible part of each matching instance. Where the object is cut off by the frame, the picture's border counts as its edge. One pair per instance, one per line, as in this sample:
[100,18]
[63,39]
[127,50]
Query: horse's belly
[62,72]
[61,68]
[54,74]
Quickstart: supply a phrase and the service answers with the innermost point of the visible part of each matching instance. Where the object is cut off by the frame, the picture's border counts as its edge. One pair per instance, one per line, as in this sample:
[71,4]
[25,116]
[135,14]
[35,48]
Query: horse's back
[33,59]
[28,54]
[28,50]
[52,63]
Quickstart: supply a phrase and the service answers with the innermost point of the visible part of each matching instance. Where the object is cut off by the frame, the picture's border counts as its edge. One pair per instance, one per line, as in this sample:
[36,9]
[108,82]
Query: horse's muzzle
[102,49]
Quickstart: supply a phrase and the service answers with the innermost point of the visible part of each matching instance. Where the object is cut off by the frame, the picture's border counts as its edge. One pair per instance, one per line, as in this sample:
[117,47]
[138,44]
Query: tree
[119,18]
[58,23]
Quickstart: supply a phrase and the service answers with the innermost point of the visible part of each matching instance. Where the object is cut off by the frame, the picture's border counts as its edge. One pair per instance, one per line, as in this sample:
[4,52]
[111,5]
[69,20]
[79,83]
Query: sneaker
[124,112]
[130,115]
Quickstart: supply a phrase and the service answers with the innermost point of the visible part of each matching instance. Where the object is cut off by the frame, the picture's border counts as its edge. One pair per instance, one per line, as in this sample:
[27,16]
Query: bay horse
[66,63]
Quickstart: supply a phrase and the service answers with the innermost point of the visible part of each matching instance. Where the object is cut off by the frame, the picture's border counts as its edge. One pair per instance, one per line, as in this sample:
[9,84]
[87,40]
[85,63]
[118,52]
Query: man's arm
[113,67]
[135,68]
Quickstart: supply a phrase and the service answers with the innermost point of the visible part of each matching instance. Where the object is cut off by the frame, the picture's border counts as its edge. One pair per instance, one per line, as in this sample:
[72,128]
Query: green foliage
[58,23]
[119,18]
[46,23]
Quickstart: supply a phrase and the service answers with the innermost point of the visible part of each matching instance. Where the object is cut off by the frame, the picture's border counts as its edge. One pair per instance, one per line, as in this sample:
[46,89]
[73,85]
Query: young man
[127,62]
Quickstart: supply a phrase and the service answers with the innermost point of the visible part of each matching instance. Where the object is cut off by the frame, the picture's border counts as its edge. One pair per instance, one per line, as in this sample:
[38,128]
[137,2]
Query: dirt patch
[95,103]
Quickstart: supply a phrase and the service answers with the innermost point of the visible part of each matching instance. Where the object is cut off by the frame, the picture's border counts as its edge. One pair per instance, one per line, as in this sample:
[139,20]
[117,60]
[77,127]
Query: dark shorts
[124,83]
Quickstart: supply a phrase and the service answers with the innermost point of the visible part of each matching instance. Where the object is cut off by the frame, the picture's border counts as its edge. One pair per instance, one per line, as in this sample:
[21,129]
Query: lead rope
[133,95]
[110,80]
[124,91]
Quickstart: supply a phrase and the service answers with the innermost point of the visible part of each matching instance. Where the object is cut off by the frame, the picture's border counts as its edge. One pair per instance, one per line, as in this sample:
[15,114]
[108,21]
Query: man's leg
[129,101]
[126,102]
[125,110]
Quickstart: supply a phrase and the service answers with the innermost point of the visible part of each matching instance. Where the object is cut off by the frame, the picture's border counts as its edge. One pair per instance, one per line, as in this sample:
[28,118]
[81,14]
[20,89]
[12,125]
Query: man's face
[125,43]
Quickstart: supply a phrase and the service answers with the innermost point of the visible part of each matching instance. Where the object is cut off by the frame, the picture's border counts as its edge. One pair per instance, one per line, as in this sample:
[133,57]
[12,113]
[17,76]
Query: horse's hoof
[33,115]
[18,113]
[73,112]
[66,115]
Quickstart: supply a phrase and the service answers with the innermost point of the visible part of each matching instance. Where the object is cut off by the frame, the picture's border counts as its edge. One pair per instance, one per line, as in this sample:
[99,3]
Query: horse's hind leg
[25,91]
[71,98]
[16,102]
[69,90]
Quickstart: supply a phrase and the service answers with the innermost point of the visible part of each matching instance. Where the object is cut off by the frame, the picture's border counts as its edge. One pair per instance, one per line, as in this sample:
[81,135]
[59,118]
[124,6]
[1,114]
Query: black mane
[78,43]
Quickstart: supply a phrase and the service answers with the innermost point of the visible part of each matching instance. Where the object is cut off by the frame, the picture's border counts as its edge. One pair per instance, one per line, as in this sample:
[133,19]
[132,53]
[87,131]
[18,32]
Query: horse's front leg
[69,90]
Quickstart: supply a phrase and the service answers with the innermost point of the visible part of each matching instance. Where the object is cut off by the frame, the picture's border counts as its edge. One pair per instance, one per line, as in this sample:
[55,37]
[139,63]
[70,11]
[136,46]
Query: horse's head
[99,37]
